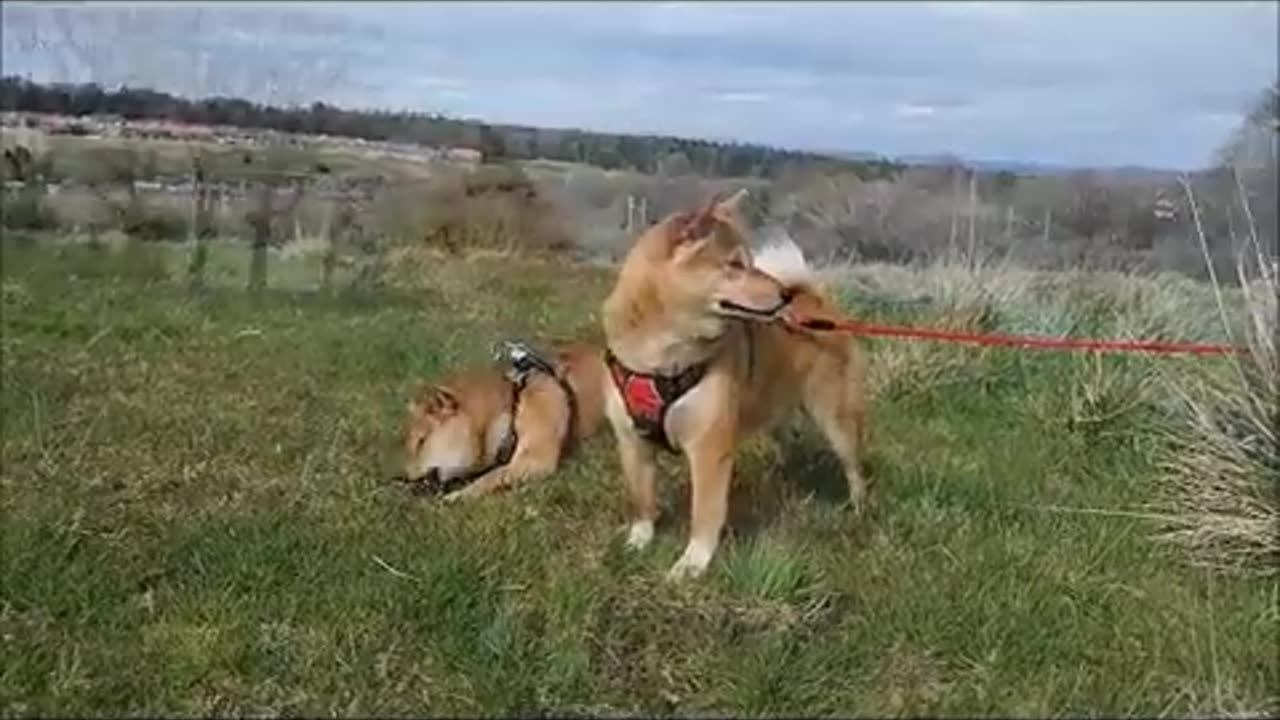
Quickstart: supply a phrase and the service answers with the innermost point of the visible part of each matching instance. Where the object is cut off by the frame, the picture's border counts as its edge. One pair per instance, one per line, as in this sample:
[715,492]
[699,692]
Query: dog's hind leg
[836,401]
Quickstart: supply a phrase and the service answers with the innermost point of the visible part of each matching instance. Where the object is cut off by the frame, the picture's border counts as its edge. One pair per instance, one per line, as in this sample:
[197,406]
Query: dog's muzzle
[429,484]
[786,296]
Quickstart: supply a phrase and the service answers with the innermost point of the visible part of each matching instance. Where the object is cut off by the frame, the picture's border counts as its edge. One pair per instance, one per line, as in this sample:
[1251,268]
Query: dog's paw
[684,570]
[639,535]
[456,496]
[691,564]
[857,507]
[857,502]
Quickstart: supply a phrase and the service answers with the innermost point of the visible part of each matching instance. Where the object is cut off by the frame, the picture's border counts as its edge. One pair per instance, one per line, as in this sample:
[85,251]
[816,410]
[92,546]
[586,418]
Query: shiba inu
[702,351]
[490,428]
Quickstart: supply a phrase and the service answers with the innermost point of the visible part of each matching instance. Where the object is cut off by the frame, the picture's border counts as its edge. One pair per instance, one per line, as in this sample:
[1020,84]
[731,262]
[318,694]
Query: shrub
[27,211]
[496,208]
[139,221]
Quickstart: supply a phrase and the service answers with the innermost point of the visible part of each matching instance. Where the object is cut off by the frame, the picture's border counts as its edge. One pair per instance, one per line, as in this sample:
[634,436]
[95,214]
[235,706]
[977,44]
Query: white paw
[640,535]
[692,563]
[857,498]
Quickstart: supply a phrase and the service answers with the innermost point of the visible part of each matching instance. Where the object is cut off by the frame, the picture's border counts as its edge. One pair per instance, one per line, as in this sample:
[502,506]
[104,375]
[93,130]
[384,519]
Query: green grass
[197,519]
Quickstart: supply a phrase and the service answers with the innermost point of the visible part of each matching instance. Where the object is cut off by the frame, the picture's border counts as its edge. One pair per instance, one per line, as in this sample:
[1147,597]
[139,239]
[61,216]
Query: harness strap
[648,397]
[506,450]
[523,361]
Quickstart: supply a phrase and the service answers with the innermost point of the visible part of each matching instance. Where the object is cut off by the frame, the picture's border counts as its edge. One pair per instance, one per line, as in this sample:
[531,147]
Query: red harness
[648,398]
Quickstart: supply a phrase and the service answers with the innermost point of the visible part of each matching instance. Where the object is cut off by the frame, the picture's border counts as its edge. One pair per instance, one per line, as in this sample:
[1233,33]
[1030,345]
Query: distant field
[85,157]
[197,517]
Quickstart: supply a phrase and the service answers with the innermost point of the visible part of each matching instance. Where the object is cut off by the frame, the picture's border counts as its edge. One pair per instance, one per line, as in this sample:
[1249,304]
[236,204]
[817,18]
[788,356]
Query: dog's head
[704,264]
[439,440]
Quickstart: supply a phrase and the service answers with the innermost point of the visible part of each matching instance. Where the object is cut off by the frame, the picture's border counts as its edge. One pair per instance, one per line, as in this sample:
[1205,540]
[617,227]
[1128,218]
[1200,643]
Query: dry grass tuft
[1221,496]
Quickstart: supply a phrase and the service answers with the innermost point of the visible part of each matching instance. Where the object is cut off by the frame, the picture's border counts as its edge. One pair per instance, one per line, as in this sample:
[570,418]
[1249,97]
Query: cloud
[439,81]
[741,97]
[909,110]
[1083,82]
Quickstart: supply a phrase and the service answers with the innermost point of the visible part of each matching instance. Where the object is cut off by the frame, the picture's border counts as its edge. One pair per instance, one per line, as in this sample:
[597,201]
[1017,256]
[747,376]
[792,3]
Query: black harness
[523,362]
[648,397]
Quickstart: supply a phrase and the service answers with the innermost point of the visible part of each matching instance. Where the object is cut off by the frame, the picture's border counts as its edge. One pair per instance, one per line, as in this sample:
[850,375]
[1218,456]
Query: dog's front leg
[486,484]
[525,466]
[540,426]
[710,471]
[640,475]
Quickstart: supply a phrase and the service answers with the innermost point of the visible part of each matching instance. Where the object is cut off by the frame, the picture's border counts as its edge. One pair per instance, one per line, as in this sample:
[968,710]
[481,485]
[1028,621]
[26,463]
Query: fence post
[955,215]
[330,258]
[973,212]
[261,223]
[195,230]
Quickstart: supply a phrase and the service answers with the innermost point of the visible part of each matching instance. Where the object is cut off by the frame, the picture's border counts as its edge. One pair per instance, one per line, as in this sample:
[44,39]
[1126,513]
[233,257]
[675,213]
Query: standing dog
[700,354]
[489,428]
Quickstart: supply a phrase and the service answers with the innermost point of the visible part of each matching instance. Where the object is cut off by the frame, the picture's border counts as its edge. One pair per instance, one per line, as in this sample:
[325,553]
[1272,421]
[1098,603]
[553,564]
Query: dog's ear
[734,202]
[695,224]
[433,400]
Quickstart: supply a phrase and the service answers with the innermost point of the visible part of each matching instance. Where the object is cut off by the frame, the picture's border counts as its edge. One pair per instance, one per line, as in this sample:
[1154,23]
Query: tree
[1090,210]
[674,164]
[1249,165]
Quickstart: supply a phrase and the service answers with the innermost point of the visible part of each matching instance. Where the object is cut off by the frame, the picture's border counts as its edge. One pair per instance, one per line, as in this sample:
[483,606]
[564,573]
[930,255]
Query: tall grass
[1221,496]
[1218,497]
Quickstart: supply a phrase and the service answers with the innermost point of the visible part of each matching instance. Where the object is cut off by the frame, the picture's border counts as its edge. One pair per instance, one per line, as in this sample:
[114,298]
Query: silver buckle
[517,356]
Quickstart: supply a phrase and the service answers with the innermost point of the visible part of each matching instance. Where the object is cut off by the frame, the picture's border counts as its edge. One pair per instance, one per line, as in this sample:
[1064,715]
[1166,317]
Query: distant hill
[649,154]
[1126,173]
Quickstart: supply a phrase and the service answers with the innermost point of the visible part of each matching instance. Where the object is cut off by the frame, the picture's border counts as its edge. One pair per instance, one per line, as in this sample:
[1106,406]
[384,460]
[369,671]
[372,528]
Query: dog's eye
[737,264]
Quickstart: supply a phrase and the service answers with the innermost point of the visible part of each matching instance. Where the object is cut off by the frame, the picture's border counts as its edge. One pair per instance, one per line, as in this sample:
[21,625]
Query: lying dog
[490,428]
[702,352]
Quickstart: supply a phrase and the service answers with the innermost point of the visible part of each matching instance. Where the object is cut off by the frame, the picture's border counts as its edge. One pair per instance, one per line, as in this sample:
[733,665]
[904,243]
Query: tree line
[650,154]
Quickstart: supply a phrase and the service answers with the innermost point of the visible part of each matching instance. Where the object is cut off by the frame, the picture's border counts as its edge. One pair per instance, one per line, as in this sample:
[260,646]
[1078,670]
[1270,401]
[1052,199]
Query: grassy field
[198,519]
[84,158]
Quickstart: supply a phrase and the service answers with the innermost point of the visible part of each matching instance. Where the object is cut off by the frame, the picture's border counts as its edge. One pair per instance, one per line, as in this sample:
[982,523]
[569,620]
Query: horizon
[981,88]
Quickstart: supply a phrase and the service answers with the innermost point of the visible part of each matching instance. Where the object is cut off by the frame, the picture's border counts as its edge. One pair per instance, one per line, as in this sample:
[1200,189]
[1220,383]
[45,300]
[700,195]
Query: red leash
[1048,343]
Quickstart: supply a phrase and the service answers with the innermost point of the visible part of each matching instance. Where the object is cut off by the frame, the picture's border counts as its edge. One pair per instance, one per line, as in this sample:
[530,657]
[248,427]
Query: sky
[1157,84]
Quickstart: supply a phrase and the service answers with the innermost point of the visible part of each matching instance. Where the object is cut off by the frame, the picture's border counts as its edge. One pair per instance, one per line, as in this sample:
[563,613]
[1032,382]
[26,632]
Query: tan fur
[665,314]
[457,425]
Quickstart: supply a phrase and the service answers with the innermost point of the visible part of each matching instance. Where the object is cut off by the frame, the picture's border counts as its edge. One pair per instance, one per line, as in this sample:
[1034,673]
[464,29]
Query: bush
[496,208]
[27,210]
[137,220]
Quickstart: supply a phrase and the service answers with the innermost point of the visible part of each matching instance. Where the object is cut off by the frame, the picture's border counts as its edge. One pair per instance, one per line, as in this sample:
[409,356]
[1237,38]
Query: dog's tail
[783,259]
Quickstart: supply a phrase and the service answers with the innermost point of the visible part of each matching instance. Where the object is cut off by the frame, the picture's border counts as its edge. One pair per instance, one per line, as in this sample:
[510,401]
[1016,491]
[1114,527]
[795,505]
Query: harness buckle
[522,360]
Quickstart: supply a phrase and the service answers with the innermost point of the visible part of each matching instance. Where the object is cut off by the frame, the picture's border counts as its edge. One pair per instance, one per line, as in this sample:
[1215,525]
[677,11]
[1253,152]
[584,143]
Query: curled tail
[784,260]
